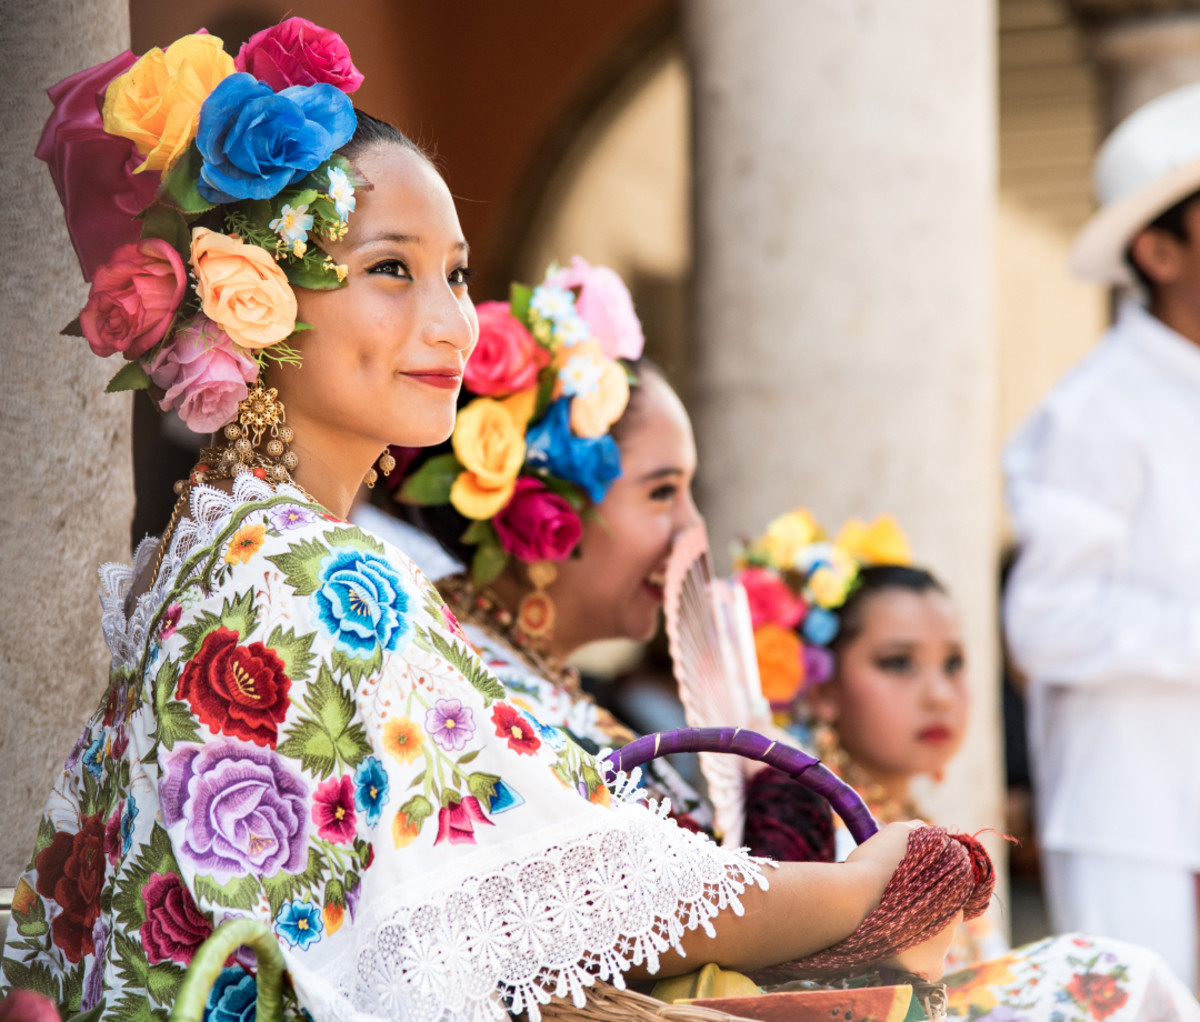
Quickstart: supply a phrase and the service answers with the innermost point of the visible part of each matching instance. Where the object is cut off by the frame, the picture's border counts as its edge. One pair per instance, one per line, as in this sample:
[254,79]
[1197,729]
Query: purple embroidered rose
[450,723]
[289,516]
[244,811]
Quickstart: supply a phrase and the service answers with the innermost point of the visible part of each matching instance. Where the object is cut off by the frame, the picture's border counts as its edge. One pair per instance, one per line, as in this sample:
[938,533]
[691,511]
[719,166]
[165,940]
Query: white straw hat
[1149,162]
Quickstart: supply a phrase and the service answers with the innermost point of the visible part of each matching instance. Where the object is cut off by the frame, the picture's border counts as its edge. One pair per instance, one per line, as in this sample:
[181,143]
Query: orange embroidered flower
[403,739]
[245,544]
[332,916]
[404,831]
[600,796]
[780,663]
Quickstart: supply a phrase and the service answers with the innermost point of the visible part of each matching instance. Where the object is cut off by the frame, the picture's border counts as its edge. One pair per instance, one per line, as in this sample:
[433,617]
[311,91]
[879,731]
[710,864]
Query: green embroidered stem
[210,960]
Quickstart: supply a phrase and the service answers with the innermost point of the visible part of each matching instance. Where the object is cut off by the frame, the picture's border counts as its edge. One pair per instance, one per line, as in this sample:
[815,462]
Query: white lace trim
[125,626]
[520,929]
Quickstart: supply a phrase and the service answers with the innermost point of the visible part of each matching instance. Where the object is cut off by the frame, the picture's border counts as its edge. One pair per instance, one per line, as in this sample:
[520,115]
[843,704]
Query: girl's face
[899,697]
[384,359]
[614,588]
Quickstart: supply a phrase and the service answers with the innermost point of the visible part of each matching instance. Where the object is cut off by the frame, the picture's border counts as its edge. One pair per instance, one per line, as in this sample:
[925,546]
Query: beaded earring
[260,415]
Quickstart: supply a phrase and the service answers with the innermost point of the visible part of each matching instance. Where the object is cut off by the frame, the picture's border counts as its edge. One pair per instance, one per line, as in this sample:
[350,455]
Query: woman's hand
[928,960]
[881,853]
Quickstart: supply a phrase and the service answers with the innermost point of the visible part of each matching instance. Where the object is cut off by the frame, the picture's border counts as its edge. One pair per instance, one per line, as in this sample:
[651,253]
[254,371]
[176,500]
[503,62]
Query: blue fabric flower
[820,626]
[504,799]
[93,757]
[589,463]
[233,998]
[299,923]
[370,788]
[549,734]
[256,142]
[127,818]
[362,604]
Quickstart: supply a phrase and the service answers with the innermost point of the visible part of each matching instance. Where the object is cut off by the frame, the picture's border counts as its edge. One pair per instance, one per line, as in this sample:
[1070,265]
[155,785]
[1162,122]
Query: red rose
[70,872]
[507,358]
[237,690]
[1101,994]
[536,524]
[174,926]
[297,52]
[521,734]
[133,299]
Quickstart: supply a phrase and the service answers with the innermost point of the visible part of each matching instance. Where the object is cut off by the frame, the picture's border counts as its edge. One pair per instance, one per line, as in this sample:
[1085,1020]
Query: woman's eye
[666,492]
[955,664]
[895,664]
[390,268]
[461,277]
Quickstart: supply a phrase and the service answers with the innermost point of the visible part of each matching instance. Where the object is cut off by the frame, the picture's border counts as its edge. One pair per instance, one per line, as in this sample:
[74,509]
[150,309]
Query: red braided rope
[940,874]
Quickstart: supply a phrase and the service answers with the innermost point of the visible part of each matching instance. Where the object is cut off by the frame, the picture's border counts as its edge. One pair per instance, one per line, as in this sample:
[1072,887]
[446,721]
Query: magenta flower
[174,926]
[333,810]
[450,723]
[170,621]
[297,52]
[456,821]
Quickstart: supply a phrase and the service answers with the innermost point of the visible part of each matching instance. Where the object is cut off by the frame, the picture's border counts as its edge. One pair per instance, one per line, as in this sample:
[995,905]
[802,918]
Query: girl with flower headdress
[295,730]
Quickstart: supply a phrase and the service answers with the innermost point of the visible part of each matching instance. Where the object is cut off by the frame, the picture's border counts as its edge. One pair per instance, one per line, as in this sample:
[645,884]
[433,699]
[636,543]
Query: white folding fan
[712,650]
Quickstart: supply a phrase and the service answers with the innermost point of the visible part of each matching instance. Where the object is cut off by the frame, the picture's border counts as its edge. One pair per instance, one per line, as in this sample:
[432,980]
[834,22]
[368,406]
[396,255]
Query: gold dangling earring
[386,463]
[260,414]
[535,615]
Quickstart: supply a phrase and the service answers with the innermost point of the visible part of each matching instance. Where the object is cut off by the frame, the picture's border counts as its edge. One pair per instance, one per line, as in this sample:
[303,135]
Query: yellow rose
[780,663]
[474,500]
[830,586]
[242,289]
[787,535]
[521,405]
[592,415]
[156,103]
[881,542]
[490,444]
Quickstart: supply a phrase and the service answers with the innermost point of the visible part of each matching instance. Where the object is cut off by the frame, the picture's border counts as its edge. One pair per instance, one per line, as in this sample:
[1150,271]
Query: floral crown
[796,579]
[141,149]
[531,445]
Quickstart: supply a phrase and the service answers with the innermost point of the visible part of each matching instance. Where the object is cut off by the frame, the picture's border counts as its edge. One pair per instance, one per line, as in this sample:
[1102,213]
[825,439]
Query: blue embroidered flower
[233,998]
[127,818]
[820,626]
[552,736]
[256,141]
[93,757]
[592,464]
[299,923]
[362,603]
[504,799]
[370,788]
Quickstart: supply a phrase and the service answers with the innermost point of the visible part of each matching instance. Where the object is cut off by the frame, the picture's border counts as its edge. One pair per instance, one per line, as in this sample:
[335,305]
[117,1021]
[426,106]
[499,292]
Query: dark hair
[1172,221]
[875,579]
[371,131]
[444,523]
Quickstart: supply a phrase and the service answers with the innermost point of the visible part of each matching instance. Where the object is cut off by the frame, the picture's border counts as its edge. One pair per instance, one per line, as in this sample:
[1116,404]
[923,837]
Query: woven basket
[605,1003]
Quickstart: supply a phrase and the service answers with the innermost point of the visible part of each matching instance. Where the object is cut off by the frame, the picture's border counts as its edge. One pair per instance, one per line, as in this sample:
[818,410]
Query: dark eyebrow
[660,473]
[409,239]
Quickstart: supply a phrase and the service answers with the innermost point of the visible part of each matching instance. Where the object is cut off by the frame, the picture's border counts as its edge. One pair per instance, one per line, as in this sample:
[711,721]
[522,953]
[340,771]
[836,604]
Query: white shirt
[1103,607]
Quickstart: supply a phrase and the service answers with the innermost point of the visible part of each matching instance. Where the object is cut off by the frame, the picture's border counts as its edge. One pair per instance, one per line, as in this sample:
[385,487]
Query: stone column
[842,318]
[65,460]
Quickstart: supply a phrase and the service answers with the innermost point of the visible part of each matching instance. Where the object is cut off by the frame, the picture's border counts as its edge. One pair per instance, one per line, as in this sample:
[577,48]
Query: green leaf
[310,272]
[196,632]
[479,532]
[163,982]
[283,887]
[417,809]
[179,185]
[131,961]
[294,650]
[356,539]
[240,892]
[431,483]
[72,329]
[467,664]
[352,745]
[131,376]
[545,395]
[335,894]
[176,723]
[241,615]
[135,1007]
[518,301]
[489,563]
[36,976]
[319,178]
[156,856]
[165,682]
[356,668]
[71,997]
[304,197]
[467,757]
[302,566]
[162,221]
[310,743]
[571,493]
[483,787]
[45,836]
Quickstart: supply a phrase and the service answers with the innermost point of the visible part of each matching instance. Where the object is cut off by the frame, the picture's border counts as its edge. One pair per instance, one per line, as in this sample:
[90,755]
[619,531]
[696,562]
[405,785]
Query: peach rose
[491,447]
[780,663]
[593,414]
[242,289]
[156,103]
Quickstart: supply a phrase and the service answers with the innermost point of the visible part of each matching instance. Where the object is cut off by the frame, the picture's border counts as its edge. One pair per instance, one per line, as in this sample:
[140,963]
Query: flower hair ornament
[531,450]
[195,187]
[796,579]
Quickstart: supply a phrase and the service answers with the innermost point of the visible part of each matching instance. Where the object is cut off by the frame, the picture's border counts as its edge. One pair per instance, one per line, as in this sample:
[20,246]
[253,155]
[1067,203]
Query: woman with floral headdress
[294,729]
[862,656]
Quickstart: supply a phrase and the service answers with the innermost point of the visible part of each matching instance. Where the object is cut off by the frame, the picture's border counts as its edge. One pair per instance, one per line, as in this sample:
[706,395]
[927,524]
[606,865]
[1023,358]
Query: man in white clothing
[1102,611]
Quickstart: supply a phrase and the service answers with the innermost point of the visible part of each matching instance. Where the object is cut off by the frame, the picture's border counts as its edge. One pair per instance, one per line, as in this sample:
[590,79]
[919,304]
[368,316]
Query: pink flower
[297,52]
[333,810]
[134,298]
[605,305]
[93,170]
[536,524]
[204,375]
[507,358]
[456,821]
[771,601]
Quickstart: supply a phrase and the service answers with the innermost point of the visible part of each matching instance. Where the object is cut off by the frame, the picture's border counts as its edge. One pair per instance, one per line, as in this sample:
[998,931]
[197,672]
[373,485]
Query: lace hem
[521,929]
[125,625]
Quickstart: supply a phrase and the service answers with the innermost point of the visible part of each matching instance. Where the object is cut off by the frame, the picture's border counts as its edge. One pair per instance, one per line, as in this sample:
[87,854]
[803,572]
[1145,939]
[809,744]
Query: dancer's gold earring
[386,464]
[261,415]
[535,615]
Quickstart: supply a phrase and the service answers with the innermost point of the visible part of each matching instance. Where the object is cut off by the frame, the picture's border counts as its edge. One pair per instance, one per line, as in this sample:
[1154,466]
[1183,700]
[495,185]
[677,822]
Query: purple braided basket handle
[751,745]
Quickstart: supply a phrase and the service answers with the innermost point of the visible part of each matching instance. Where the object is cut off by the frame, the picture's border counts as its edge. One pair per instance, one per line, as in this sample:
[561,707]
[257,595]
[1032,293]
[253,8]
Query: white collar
[1172,351]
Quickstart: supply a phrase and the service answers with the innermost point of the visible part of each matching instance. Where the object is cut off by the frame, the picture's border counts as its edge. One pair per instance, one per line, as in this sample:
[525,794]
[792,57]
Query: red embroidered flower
[174,926]
[456,821]
[71,872]
[333,810]
[520,733]
[237,690]
[1098,993]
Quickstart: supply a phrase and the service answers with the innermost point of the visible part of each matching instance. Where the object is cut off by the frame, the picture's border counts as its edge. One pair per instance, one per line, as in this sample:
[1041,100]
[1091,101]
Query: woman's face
[899,697]
[614,588]
[384,359]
